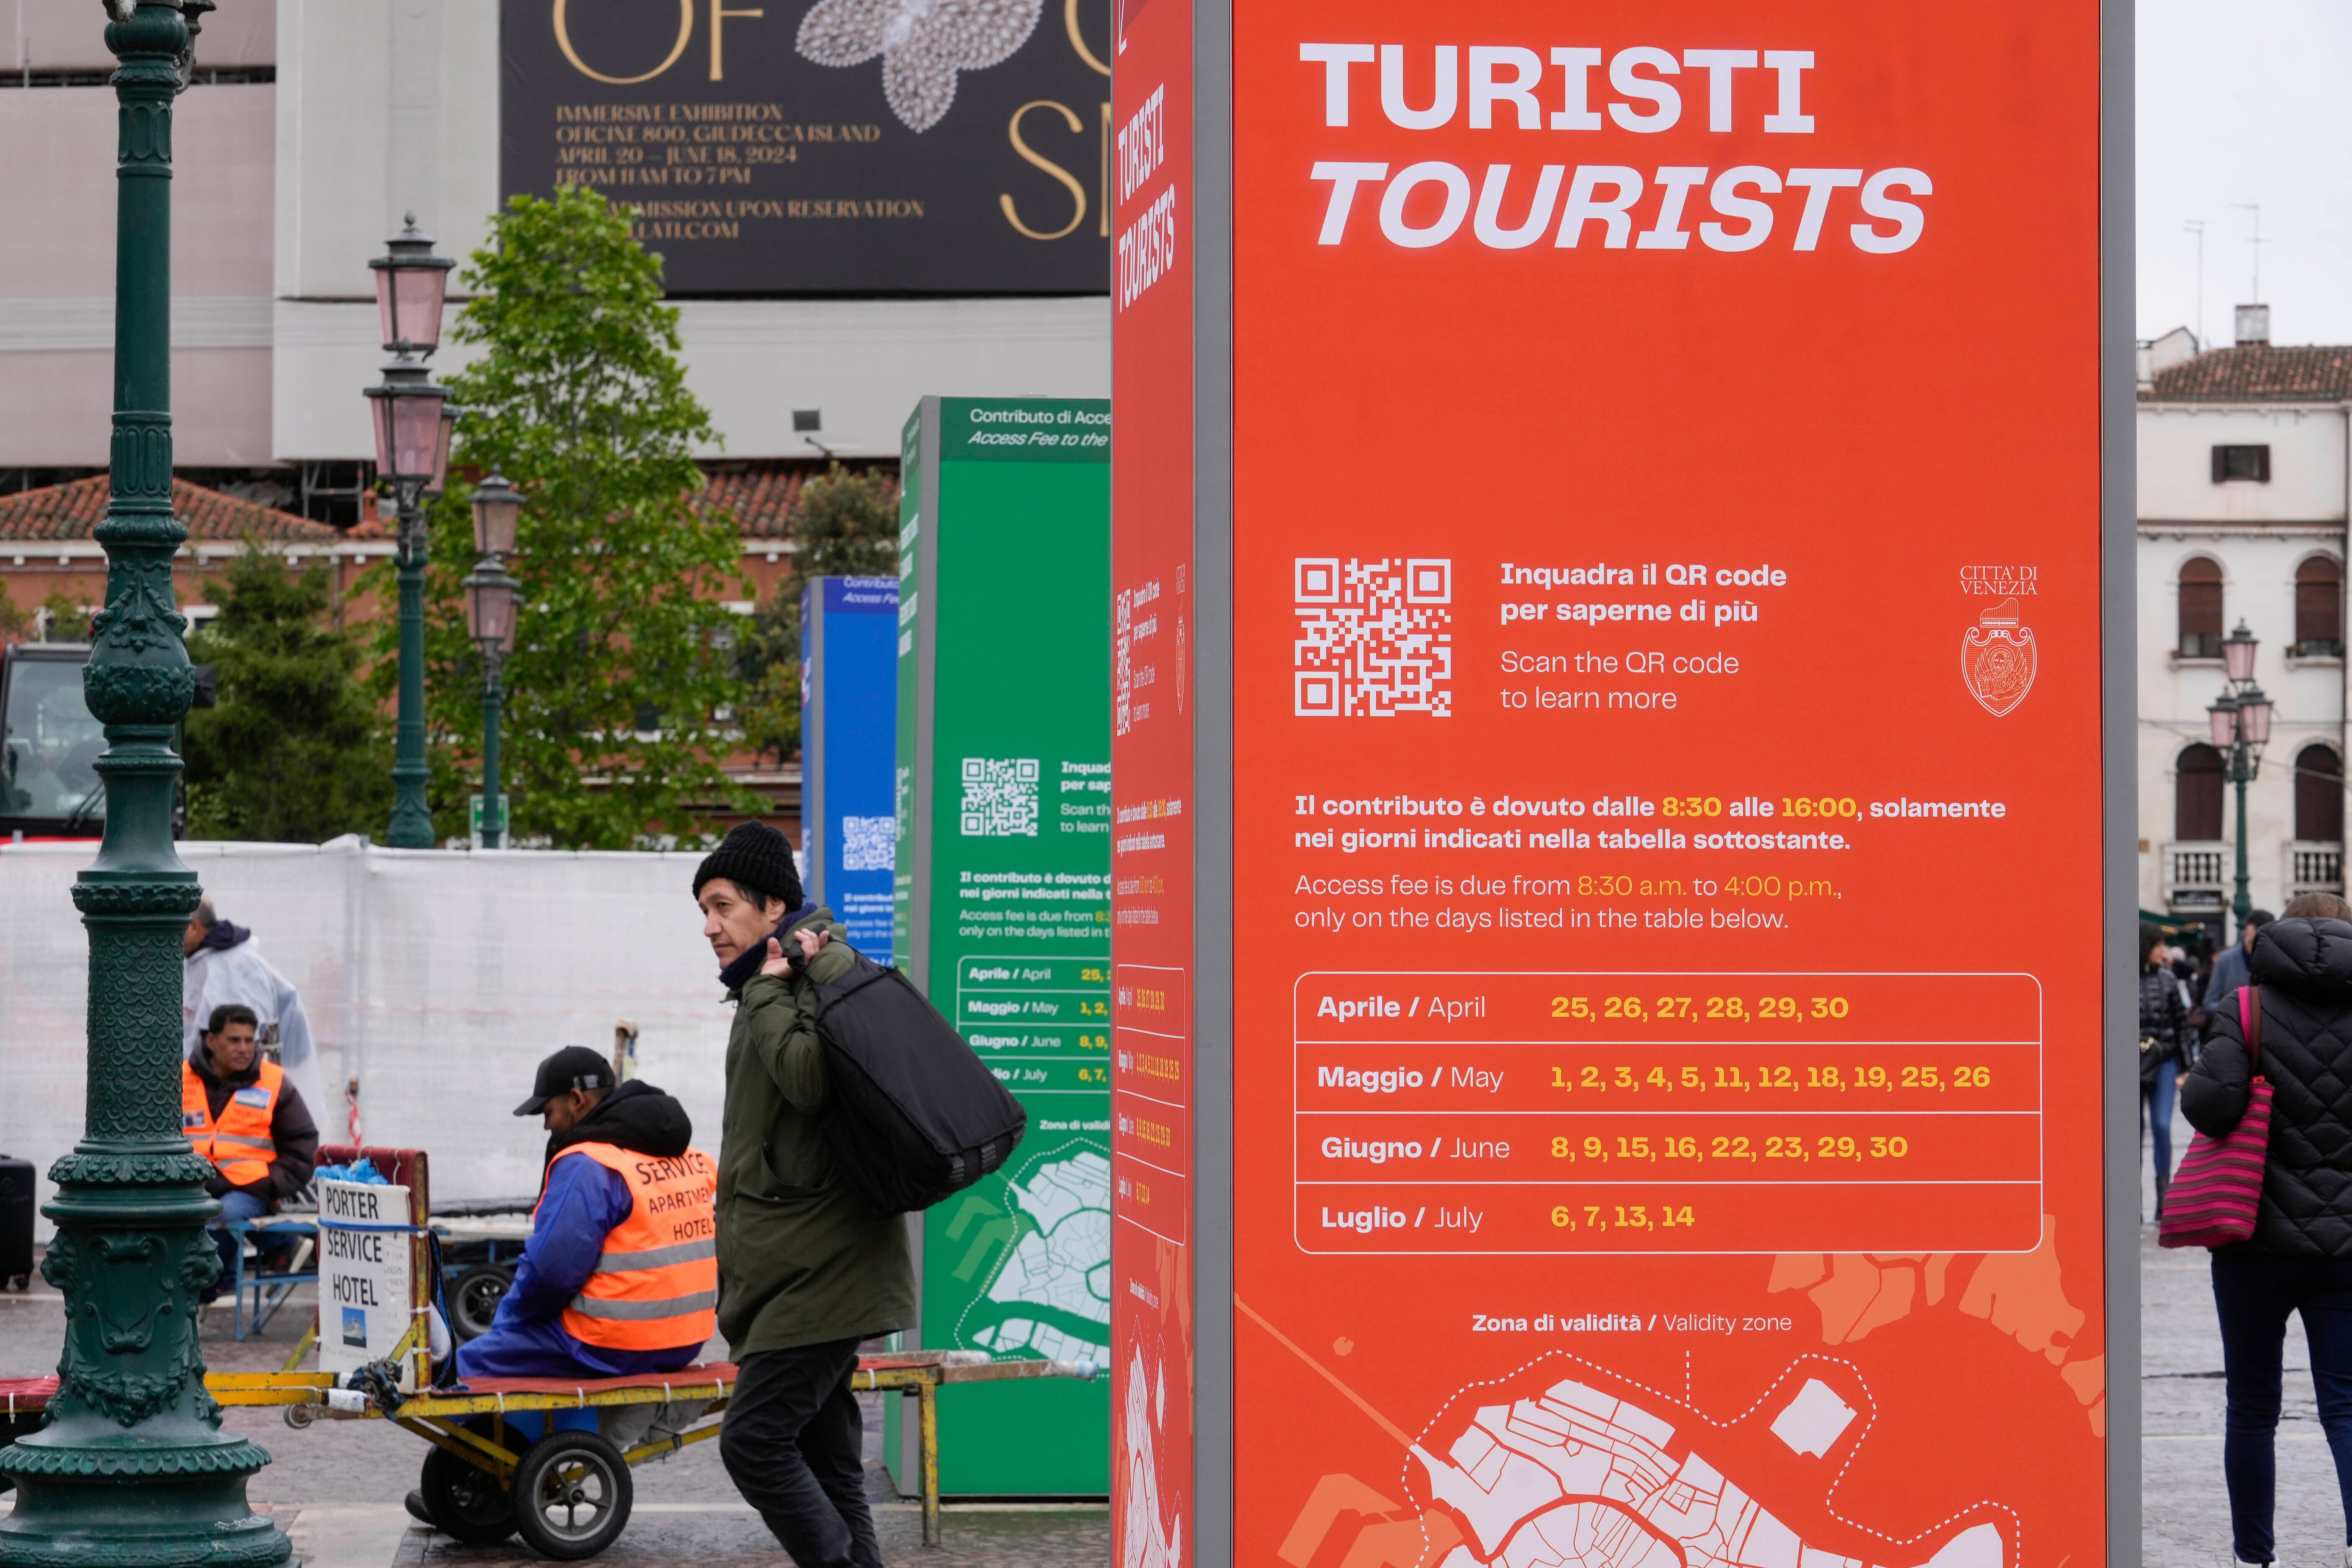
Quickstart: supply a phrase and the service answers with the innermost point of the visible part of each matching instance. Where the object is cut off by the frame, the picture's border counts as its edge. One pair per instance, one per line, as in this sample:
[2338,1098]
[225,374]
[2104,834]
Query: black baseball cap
[573,1066]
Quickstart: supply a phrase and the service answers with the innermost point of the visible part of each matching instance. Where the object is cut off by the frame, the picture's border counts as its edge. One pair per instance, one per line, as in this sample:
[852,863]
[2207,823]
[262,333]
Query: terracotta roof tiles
[2258,373]
[760,498]
[70,512]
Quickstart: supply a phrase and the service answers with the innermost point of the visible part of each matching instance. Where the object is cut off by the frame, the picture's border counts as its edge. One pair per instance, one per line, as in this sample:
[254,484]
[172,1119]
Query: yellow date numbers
[1719,1009]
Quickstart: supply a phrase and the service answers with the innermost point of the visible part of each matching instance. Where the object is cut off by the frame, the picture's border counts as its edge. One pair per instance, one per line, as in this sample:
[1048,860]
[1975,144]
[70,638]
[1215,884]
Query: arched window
[2200,608]
[2319,794]
[2319,608]
[2196,795]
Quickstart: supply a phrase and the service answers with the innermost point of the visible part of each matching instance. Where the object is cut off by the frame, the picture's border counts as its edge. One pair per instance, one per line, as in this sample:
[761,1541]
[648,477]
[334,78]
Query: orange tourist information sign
[1609,1011]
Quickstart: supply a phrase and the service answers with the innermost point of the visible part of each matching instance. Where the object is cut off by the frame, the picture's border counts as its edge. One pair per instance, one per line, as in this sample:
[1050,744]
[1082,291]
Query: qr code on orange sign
[1000,797]
[1373,638]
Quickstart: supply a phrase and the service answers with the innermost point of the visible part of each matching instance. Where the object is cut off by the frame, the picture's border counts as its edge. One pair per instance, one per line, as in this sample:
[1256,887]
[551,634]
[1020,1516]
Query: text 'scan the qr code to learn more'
[1373,638]
[1000,797]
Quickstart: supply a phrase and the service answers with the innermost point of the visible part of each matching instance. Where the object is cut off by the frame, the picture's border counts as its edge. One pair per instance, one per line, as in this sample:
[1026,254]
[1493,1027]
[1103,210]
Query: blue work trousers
[235,1204]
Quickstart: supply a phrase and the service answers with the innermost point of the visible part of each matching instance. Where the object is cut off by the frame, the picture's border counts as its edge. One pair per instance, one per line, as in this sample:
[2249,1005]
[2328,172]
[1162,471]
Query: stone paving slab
[337,1484]
[707,1537]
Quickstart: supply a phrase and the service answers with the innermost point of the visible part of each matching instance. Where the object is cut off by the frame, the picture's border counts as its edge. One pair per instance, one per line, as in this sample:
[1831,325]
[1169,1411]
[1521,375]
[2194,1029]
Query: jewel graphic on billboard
[922,45]
[1997,658]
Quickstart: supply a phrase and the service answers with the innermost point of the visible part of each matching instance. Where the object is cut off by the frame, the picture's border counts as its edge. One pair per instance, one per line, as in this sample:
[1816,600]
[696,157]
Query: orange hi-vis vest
[656,1285]
[238,1144]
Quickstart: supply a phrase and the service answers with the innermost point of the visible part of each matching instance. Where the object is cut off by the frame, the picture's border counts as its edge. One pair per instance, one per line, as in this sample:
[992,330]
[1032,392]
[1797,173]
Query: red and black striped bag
[2218,1190]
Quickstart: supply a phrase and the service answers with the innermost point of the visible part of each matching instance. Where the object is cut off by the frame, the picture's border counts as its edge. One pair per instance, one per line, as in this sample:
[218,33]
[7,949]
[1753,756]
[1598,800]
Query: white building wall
[383,108]
[2258,587]
[57,273]
[70,35]
[2176,463]
[861,363]
[2260,534]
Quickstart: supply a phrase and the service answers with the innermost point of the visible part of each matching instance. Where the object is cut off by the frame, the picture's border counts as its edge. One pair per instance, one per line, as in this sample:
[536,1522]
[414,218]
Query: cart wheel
[572,1495]
[466,1504]
[474,1300]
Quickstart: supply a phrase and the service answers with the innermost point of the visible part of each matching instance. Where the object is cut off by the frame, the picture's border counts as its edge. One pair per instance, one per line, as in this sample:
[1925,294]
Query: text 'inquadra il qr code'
[1000,797]
[1373,637]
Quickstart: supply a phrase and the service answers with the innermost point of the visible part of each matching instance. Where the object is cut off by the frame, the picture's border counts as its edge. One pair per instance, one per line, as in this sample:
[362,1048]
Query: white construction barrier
[437,979]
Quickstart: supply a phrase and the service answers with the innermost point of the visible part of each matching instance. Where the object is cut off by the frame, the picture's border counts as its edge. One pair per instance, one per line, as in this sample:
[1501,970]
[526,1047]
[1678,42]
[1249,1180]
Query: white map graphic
[1060,1265]
[1144,1544]
[1578,1478]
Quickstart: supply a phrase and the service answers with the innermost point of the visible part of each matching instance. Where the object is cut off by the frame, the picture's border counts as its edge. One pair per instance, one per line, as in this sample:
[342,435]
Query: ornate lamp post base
[131,1469]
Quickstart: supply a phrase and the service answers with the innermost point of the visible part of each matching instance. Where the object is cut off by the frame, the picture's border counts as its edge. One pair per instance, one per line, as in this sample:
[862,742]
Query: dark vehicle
[50,745]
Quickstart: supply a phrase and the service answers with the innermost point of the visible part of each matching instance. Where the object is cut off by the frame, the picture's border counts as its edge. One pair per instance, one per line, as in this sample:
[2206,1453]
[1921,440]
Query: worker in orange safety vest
[240,1112]
[621,1273]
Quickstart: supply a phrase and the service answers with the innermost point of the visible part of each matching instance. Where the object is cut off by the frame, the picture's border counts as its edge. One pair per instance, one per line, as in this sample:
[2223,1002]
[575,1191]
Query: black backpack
[913,1115]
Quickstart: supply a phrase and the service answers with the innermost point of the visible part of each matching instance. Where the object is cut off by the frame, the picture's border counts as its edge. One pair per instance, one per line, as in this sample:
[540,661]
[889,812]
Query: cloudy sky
[2246,101]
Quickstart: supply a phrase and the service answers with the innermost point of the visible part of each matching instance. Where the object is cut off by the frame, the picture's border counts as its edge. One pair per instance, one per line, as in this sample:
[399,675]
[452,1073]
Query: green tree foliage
[294,751]
[843,524]
[768,673]
[619,679]
[847,524]
[66,620]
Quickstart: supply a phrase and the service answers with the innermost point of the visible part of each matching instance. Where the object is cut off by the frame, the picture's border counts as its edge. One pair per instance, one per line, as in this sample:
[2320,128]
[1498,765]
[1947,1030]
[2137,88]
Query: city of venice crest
[1997,658]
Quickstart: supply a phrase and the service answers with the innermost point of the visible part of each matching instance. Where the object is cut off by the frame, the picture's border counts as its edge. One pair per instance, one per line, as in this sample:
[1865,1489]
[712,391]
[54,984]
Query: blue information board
[849,705]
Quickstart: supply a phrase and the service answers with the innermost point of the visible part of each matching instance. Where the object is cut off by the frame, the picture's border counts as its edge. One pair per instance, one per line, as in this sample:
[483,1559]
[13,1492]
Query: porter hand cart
[546,1458]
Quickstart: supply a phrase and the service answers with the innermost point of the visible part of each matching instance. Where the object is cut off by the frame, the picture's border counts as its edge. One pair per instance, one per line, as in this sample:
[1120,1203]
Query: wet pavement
[336,1486]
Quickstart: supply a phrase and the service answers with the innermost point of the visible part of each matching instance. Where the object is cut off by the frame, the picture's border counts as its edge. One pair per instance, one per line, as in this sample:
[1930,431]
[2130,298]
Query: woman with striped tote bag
[2267,1184]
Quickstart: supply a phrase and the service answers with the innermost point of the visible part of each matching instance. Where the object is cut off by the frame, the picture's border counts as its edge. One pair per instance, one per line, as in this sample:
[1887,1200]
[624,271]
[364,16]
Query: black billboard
[827,146]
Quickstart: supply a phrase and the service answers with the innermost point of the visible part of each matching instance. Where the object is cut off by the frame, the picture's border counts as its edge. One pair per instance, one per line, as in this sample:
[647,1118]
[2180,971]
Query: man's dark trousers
[795,1441]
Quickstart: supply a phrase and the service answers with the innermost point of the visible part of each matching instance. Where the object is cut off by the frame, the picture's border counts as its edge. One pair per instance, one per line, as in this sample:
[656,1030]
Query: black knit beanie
[756,858]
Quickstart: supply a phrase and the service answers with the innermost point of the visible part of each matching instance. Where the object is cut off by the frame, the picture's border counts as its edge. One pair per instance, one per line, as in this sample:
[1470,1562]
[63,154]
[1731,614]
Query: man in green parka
[806,1268]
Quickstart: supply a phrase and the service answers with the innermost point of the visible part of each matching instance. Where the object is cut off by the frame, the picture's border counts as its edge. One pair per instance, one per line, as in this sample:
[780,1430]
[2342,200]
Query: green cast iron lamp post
[412,420]
[132,1468]
[490,619]
[2241,718]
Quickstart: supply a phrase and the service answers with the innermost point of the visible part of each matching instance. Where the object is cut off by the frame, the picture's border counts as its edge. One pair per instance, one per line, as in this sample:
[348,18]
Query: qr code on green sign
[1000,797]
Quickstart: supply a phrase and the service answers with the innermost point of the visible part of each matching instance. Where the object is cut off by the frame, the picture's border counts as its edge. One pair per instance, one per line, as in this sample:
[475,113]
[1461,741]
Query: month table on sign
[1042,1023]
[1465,1112]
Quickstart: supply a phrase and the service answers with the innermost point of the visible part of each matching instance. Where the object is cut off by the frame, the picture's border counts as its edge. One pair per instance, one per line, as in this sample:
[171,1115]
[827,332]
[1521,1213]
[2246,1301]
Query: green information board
[1001,904]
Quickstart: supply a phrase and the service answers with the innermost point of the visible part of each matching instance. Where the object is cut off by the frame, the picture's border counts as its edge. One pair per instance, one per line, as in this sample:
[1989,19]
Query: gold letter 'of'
[685,32]
[718,15]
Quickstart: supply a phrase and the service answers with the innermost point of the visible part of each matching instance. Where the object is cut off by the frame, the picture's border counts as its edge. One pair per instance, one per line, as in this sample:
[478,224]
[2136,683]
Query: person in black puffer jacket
[2163,1050]
[2300,1257]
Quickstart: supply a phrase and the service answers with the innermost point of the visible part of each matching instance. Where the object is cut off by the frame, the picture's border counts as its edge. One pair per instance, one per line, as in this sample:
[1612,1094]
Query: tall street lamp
[2241,718]
[132,1466]
[491,620]
[412,421]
